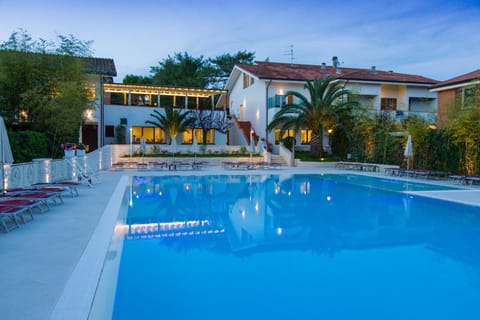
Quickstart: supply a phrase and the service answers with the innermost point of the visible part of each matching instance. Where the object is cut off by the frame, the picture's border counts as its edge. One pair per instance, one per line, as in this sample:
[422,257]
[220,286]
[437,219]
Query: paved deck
[38,258]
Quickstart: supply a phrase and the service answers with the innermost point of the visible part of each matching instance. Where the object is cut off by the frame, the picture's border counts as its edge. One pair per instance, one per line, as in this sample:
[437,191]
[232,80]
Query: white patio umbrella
[142,147]
[408,150]
[195,147]
[252,147]
[6,155]
[173,147]
[80,135]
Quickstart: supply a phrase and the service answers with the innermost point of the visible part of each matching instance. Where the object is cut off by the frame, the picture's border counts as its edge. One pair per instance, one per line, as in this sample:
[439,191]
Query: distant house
[458,91]
[129,106]
[99,72]
[257,91]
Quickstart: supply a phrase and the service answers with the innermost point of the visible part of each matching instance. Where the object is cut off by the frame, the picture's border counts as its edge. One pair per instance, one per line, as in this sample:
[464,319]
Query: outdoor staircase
[275,158]
[246,127]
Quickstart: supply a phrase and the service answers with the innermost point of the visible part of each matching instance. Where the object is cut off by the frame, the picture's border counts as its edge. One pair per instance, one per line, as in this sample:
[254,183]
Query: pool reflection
[249,214]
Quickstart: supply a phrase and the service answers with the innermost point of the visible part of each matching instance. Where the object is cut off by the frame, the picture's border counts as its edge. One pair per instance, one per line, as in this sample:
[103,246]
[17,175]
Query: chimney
[373,70]
[335,61]
[336,65]
[324,66]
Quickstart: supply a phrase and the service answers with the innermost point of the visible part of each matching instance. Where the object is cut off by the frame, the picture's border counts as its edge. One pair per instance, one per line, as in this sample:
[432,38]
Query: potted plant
[81,149]
[68,149]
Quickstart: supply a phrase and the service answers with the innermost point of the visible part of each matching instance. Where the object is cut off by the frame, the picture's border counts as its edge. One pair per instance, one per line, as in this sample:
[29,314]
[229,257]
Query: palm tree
[325,109]
[173,122]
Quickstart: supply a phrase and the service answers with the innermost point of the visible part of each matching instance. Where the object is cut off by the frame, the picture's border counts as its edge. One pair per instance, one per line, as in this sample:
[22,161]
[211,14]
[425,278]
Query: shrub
[28,145]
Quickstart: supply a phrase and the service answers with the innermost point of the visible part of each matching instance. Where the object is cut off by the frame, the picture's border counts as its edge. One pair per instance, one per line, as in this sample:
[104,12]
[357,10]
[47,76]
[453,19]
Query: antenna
[290,54]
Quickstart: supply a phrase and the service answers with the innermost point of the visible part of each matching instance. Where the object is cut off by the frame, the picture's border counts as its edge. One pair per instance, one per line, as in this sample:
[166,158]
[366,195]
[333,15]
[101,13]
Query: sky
[435,39]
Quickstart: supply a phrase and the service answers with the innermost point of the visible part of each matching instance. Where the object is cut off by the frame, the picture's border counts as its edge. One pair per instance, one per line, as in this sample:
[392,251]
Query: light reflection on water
[295,246]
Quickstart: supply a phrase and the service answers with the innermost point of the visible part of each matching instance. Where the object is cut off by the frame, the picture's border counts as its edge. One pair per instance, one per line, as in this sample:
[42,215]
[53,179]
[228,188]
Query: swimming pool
[289,247]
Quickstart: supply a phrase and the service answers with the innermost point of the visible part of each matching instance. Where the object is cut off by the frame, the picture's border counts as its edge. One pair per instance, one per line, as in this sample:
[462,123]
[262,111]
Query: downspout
[102,112]
[266,112]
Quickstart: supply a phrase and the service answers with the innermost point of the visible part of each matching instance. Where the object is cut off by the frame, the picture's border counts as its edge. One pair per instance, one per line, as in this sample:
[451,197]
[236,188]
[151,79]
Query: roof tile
[300,72]
[467,77]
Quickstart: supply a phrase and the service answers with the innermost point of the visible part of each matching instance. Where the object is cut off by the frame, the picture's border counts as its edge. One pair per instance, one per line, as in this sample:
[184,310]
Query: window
[305,136]
[388,104]
[187,136]
[288,133]
[420,104]
[280,101]
[246,81]
[109,131]
[467,96]
[150,134]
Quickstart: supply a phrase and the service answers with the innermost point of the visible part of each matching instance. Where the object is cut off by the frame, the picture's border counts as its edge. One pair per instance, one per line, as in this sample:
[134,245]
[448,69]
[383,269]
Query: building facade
[459,92]
[257,91]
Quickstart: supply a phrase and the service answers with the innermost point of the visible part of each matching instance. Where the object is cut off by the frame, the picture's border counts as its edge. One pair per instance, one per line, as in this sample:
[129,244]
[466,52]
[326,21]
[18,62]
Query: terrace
[50,249]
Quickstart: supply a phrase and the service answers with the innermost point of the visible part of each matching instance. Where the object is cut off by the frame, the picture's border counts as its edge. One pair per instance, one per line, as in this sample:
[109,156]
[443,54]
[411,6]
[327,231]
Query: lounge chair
[471,179]
[11,213]
[32,204]
[57,191]
[42,196]
[71,186]
[158,164]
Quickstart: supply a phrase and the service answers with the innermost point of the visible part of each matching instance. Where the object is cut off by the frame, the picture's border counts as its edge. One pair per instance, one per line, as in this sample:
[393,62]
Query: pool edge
[79,291]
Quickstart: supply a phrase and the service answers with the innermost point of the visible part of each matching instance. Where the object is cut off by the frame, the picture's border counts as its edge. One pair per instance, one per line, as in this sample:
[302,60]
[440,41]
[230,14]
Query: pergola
[158,91]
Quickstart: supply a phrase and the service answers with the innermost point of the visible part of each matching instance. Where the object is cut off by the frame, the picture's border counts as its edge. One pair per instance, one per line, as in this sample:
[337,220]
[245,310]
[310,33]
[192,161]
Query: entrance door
[90,136]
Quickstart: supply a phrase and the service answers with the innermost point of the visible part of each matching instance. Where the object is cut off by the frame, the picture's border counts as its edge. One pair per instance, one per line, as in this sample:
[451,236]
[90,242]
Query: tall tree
[43,90]
[223,66]
[68,45]
[465,130]
[182,70]
[326,105]
[134,79]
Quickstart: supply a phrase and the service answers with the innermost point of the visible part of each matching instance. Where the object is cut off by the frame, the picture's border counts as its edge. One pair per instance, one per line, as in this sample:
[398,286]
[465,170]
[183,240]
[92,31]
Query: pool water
[293,247]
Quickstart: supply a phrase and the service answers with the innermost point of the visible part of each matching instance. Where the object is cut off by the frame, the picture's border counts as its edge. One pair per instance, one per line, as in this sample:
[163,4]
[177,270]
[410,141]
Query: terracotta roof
[101,66]
[467,77]
[300,72]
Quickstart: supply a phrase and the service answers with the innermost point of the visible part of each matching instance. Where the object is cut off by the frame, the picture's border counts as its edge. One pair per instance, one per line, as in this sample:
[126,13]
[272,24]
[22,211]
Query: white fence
[51,170]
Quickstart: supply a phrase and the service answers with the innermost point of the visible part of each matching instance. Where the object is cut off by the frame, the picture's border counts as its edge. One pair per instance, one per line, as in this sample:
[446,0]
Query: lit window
[305,136]
[150,134]
[288,133]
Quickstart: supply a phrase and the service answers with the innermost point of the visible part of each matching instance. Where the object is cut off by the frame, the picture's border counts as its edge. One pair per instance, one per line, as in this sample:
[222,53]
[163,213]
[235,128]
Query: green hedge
[28,145]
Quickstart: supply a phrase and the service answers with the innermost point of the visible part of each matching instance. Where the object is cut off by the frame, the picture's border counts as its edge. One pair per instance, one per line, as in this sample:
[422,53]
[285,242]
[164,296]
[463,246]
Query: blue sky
[436,39]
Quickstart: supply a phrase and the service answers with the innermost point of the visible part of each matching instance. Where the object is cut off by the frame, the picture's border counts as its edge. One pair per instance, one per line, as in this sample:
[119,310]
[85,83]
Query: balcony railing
[399,115]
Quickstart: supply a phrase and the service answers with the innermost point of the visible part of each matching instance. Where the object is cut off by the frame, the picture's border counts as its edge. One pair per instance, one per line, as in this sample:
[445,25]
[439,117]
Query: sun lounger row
[247,165]
[172,165]
[370,167]
[416,173]
[18,204]
[465,179]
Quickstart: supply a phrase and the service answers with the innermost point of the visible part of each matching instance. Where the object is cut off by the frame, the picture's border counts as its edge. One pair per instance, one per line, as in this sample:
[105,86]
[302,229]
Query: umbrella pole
[3,178]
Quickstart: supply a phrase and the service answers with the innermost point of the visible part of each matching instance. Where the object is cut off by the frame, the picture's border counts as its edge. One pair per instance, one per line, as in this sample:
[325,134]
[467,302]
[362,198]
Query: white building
[257,91]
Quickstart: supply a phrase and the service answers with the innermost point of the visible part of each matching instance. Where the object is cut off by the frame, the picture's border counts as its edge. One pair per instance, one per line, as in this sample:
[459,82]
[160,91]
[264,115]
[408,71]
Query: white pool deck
[39,260]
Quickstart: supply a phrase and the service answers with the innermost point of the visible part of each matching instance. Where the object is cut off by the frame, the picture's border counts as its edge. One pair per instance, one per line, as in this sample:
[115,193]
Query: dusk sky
[435,39]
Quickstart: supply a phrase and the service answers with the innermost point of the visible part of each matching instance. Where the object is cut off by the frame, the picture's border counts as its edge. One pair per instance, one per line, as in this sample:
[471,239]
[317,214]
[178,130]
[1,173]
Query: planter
[69,153]
[80,152]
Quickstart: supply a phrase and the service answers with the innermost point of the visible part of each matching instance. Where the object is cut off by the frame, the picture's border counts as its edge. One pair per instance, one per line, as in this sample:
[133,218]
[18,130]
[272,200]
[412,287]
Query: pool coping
[76,303]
